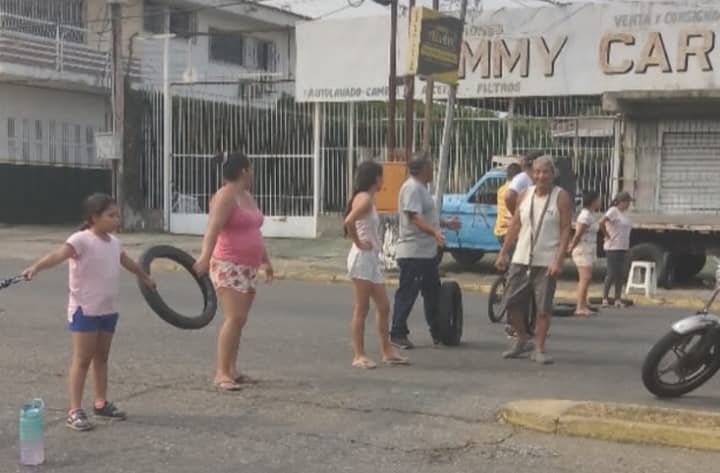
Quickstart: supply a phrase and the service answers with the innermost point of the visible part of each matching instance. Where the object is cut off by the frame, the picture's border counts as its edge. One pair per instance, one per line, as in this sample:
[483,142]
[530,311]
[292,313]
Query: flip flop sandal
[397,361]
[365,364]
[228,386]
[245,379]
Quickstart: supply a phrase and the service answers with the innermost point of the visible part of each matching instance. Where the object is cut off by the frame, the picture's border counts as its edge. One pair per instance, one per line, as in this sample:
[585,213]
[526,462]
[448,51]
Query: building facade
[55,82]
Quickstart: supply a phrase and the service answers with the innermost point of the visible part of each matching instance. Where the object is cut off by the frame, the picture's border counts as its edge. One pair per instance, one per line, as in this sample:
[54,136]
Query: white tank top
[547,240]
[368,228]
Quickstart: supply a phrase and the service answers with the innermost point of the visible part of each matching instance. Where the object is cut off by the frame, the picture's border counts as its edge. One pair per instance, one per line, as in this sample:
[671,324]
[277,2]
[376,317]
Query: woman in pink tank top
[233,250]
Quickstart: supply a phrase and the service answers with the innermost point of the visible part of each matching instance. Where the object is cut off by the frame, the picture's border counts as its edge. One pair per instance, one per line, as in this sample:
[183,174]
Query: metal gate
[278,135]
[689,168]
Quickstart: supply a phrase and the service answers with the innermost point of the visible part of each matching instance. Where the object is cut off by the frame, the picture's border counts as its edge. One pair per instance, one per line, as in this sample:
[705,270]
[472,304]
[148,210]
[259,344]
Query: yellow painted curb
[625,423]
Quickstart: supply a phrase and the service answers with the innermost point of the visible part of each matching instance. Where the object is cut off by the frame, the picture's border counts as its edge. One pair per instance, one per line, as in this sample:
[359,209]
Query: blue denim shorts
[101,323]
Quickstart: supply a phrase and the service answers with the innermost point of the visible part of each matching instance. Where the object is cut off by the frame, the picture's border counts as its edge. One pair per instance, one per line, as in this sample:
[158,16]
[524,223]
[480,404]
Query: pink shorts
[237,277]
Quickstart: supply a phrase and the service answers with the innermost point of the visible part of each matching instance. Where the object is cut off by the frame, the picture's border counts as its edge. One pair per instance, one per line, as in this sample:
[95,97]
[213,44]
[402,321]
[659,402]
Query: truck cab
[477,212]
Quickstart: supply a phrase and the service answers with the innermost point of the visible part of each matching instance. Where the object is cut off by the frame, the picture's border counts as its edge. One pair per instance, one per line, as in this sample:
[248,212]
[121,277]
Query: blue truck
[477,212]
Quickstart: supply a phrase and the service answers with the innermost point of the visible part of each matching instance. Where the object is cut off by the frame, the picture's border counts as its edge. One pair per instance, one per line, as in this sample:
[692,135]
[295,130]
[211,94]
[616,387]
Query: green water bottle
[32,432]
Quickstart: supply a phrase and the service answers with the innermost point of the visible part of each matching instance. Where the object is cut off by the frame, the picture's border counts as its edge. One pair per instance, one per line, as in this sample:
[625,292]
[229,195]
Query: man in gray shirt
[419,237]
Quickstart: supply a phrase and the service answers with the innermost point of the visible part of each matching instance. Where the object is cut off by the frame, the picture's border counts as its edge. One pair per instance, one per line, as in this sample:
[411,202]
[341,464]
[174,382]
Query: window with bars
[26,140]
[154,17]
[78,145]
[90,144]
[39,141]
[52,141]
[265,56]
[11,139]
[158,17]
[65,145]
[227,48]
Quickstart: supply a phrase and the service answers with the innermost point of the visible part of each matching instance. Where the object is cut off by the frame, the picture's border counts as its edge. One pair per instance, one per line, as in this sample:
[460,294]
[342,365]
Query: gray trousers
[616,272]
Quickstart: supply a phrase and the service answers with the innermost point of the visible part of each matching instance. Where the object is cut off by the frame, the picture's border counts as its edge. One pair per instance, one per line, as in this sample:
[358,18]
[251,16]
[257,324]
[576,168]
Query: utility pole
[409,101]
[447,127]
[392,92]
[118,104]
[429,93]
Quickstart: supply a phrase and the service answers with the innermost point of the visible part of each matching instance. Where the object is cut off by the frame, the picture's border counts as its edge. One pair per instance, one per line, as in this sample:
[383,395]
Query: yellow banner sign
[434,48]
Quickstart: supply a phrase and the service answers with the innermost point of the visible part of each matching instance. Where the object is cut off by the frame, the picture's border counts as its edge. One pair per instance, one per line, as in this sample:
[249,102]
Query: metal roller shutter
[690,172]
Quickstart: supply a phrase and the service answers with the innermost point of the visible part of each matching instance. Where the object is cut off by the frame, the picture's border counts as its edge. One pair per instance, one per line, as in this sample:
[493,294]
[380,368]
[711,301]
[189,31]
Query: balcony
[51,54]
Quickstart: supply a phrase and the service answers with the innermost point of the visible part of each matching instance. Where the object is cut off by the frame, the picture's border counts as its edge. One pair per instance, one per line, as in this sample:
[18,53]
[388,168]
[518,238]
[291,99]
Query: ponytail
[367,176]
[94,206]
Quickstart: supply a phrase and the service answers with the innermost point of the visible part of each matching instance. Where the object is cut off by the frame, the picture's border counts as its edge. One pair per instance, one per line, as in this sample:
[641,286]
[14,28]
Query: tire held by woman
[160,307]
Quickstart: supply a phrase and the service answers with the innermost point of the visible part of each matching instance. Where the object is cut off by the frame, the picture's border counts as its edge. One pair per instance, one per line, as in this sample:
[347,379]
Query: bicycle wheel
[531,317]
[496,308]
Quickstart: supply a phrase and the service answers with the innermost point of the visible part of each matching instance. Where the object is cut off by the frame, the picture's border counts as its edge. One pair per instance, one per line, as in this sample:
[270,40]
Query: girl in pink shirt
[233,250]
[95,257]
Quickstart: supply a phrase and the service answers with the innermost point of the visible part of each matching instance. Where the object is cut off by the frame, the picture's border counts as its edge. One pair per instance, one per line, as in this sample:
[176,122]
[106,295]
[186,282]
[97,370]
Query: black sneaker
[78,420]
[110,411]
[402,342]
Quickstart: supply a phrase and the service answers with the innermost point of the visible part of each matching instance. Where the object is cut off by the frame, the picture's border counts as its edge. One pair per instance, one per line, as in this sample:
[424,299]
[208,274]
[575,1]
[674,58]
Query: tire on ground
[158,305]
[450,313]
[564,309]
[688,265]
[467,258]
[656,254]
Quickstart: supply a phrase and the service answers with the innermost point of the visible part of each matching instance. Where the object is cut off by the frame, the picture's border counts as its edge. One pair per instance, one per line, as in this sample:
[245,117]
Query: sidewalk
[323,260]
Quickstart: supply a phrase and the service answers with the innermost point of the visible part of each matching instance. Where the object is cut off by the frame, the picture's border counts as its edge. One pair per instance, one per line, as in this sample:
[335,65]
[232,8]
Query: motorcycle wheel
[691,369]
[496,310]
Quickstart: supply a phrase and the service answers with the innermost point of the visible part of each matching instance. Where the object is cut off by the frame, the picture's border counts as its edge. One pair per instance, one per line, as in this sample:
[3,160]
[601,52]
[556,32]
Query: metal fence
[280,136]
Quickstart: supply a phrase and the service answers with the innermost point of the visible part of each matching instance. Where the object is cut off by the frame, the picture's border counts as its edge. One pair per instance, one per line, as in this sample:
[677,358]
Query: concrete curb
[625,423]
[313,274]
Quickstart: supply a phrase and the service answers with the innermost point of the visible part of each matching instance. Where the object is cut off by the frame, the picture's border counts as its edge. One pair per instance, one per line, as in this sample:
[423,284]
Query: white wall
[29,107]
[194,54]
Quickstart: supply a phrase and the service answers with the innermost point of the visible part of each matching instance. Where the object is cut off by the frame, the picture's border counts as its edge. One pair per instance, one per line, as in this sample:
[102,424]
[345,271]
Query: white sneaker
[542,358]
[518,348]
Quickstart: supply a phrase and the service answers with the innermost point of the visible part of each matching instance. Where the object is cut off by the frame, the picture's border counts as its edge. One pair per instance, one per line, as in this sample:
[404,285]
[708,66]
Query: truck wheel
[467,258]
[450,313]
[656,254]
[687,266]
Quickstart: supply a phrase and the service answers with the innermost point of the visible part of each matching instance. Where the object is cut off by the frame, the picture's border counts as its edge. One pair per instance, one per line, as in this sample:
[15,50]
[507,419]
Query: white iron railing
[38,43]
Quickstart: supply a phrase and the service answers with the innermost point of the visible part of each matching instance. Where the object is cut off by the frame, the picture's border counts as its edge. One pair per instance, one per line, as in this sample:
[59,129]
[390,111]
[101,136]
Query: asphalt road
[312,412]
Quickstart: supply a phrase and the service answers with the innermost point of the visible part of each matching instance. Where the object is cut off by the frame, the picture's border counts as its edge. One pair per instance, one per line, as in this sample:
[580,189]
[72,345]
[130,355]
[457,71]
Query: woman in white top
[362,224]
[616,227]
[583,248]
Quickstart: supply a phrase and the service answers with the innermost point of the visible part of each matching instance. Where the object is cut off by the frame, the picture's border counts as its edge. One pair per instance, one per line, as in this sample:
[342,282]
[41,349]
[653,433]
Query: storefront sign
[584,49]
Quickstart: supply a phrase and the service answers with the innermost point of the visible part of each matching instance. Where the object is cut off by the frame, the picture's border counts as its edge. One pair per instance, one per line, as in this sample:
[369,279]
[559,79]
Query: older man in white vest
[541,228]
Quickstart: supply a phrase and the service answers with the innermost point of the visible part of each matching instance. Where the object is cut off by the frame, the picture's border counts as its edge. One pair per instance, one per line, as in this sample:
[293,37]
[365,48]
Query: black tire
[160,307]
[531,317]
[467,258]
[450,313]
[687,266]
[496,311]
[655,254]
[564,309]
[652,380]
